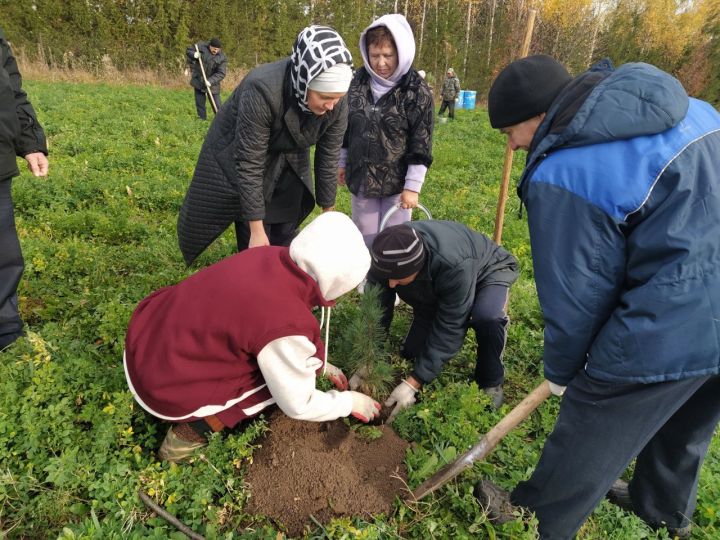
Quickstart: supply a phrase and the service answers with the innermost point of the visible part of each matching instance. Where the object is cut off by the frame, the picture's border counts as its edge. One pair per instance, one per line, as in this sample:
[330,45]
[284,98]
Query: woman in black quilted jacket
[254,166]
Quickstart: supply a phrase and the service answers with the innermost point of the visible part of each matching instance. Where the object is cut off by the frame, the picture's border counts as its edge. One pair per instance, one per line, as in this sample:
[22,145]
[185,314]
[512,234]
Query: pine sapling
[364,346]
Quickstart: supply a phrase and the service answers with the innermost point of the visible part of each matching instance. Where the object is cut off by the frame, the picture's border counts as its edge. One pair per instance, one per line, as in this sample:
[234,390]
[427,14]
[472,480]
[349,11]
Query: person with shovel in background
[453,278]
[20,135]
[254,166]
[388,143]
[622,190]
[239,336]
[206,77]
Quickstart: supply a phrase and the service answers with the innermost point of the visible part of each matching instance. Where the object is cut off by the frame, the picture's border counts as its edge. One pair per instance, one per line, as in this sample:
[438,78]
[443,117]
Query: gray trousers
[11,268]
[601,428]
[368,213]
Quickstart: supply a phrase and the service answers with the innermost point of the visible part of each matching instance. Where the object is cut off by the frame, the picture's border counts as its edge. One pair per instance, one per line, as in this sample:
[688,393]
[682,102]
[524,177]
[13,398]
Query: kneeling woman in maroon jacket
[239,336]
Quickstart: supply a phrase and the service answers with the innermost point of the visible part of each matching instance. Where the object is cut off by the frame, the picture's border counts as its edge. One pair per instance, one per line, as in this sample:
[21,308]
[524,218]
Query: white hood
[332,251]
[404,42]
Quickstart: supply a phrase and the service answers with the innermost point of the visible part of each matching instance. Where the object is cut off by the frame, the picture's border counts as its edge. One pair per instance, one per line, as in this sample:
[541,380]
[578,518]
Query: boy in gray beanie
[453,278]
[625,239]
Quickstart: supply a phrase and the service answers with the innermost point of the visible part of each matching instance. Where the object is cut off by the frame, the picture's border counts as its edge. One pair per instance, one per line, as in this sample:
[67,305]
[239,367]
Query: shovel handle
[205,80]
[486,444]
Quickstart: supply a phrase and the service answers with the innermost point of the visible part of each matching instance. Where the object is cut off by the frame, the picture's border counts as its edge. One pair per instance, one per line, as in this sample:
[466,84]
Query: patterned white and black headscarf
[316,49]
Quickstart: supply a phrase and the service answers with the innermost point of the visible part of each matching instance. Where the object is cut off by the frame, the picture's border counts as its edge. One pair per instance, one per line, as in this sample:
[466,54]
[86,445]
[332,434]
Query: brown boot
[496,502]
[180,443]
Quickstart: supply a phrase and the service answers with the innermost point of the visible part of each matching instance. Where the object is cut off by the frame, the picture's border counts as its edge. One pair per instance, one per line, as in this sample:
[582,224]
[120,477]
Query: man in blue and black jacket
[20,135]
[622,190]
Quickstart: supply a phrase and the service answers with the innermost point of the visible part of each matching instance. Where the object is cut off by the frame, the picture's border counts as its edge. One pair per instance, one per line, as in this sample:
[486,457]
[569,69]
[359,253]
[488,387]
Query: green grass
[99,235]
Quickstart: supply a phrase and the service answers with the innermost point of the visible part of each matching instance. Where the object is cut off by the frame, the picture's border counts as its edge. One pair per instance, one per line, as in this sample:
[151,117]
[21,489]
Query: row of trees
[476,37]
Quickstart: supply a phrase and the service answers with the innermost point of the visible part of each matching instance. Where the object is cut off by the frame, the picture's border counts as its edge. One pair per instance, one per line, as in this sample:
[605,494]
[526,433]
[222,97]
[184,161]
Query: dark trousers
[200,99]
[489,321]
[600,429]
[448,104]
[279,234]
[11,268]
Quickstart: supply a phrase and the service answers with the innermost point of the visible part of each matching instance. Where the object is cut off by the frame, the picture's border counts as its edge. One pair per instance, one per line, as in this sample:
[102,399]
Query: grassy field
[99,235]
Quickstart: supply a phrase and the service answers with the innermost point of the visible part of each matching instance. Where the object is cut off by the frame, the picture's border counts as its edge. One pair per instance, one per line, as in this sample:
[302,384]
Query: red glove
[336,376]
[364,407]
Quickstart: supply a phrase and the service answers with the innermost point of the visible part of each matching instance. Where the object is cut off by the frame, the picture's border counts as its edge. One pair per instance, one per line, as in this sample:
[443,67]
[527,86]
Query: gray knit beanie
[396,253]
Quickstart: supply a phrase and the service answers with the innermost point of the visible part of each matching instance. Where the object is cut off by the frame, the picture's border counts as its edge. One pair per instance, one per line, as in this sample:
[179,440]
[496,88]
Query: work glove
[364,408]
[208,84]
[357,379]
[556,389]
[196,54]
[402,397]
[335,375]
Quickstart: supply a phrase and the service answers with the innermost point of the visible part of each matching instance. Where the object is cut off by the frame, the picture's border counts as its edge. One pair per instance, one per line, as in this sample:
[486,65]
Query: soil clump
[324,470]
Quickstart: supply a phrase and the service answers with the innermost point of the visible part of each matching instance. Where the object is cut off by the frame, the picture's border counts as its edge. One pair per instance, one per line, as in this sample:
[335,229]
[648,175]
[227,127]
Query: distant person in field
[20,135]
[239,336]
[449,93]
[254,166]
[215,63]
[388,144]
[622,190]
[454,279]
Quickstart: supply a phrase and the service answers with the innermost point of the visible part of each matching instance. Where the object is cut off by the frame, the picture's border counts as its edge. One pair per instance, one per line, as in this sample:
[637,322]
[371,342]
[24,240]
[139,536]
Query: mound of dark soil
[325,470]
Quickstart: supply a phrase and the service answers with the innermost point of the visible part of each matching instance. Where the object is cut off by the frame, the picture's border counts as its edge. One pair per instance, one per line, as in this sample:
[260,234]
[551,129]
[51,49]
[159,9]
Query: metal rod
[160,511]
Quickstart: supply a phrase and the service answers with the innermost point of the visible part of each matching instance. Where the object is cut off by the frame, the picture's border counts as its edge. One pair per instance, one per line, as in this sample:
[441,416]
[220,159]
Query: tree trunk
[467,39]
[593,42]
[446,44]
[422,28]
[490,32]
[437,24]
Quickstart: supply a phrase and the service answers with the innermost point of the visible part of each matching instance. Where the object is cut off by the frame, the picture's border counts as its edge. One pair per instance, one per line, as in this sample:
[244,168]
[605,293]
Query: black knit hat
[396,253]
[524,89]
[215,42]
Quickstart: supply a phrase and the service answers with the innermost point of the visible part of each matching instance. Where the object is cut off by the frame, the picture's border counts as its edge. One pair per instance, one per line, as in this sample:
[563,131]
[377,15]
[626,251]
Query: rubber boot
[176,448]
[496,394]
[496,502]
[619,495]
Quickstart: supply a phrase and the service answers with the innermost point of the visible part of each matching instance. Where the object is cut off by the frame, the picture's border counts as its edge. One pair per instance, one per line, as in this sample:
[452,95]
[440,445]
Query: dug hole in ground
[324,470]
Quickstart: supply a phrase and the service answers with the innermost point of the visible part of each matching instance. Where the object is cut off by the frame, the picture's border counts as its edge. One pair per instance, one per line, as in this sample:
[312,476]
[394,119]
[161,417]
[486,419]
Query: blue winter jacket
[622,188]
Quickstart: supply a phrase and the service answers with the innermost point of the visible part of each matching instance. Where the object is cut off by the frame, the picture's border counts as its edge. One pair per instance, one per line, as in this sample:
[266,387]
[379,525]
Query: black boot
[496,502]
[496,394]
[619,495]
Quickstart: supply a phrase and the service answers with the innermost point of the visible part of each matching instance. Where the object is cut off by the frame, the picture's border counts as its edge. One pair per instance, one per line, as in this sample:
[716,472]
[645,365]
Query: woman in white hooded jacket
[221,346]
